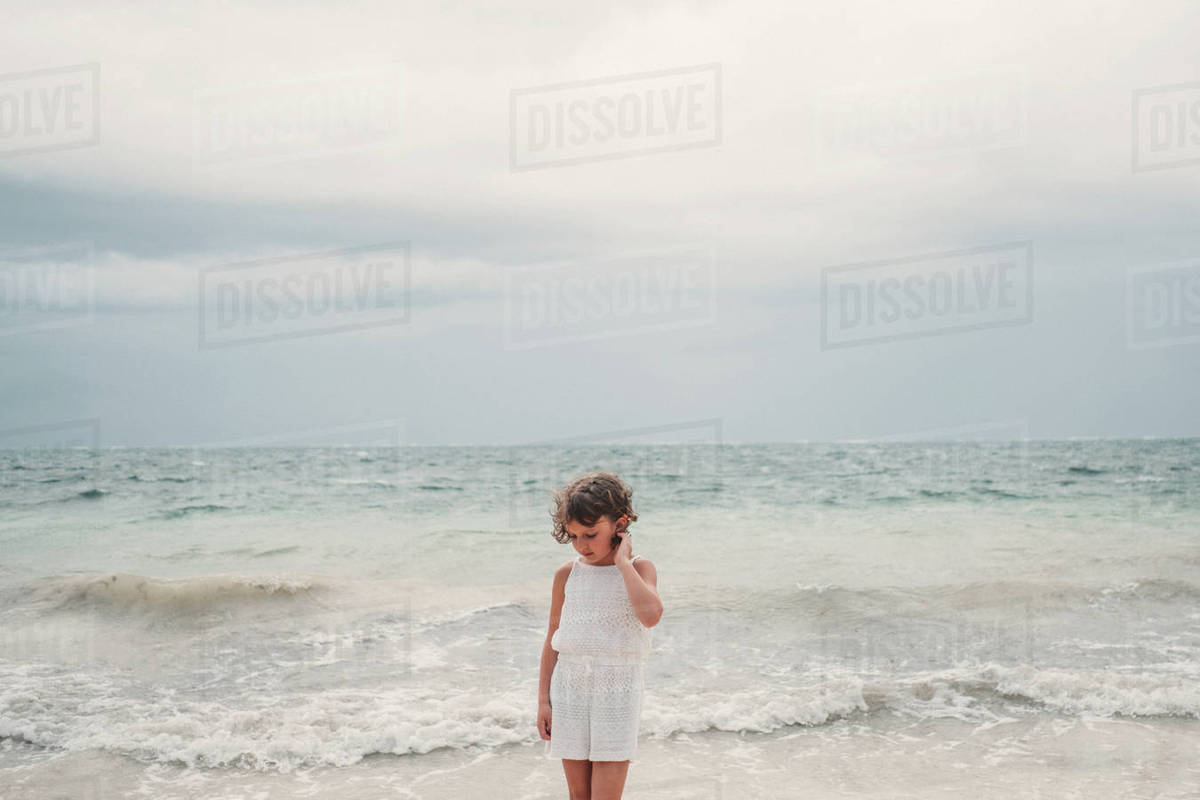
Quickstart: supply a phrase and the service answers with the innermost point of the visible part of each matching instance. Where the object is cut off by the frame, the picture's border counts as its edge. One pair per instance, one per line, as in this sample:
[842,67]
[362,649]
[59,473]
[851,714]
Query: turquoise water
[277,609]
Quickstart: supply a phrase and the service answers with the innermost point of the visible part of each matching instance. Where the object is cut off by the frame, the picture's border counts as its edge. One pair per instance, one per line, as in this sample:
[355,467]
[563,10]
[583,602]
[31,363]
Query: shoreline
[1041,755]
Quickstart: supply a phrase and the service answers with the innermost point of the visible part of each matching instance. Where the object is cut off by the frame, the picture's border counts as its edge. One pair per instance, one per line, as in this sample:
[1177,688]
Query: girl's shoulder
[642,564]
[560,579]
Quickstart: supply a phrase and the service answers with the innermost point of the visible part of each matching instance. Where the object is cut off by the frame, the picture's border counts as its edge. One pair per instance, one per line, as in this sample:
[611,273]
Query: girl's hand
[624,549]
[543,719]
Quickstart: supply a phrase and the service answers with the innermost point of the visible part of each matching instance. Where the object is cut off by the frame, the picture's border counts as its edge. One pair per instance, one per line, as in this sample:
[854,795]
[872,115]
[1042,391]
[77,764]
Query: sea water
[859,619]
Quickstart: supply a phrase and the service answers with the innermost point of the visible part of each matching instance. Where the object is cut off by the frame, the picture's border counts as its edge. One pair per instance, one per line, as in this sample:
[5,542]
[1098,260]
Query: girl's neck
[611,562]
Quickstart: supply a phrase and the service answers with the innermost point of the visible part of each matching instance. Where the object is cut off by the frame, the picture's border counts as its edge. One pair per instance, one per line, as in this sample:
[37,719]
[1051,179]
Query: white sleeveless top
[597,616]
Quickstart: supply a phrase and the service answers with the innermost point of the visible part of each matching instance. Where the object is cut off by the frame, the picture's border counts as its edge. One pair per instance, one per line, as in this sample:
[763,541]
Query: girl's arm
[641,581]
[549,654]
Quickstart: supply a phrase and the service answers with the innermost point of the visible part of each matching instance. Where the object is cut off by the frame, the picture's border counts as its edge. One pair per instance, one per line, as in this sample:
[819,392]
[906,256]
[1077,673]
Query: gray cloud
[777,204]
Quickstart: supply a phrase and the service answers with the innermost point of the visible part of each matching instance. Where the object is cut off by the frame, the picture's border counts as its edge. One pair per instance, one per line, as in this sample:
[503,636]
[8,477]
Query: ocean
[862,619]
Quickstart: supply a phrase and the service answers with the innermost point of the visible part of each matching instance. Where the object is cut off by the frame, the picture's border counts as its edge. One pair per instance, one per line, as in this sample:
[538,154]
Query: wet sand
[1040,756]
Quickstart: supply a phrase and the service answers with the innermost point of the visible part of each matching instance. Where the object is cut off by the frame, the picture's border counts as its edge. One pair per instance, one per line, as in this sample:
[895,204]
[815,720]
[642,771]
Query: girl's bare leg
[579,778]
[608,779]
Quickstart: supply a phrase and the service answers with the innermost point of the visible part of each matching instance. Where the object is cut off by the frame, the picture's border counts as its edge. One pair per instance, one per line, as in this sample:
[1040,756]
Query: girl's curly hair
[589,497]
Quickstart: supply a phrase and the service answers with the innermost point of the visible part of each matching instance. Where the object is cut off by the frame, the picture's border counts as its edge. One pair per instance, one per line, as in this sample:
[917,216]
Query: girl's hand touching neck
[624,552]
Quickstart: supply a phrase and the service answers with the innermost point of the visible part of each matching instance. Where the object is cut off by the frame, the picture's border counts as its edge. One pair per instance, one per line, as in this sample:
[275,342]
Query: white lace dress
[596,686]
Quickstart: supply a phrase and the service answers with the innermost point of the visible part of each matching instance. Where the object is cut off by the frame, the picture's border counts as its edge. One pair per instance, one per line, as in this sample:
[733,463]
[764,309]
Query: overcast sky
[408,150]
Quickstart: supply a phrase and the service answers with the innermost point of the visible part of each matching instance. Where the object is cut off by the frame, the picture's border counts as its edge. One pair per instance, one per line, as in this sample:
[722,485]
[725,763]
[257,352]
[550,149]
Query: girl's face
[593,542]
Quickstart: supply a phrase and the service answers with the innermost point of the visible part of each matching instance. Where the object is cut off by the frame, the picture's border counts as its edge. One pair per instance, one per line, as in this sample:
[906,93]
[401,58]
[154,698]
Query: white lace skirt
[595,707]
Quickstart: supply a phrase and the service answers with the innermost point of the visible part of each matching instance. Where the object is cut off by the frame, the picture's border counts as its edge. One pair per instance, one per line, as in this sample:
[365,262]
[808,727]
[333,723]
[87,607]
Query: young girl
[602,608]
